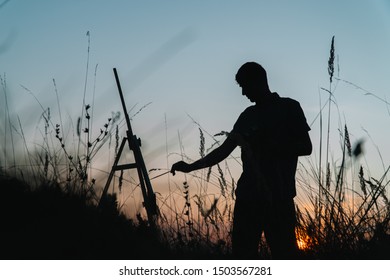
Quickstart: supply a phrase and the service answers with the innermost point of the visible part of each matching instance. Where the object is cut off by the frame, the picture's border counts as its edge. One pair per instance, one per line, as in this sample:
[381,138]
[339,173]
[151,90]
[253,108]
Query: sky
[177,62]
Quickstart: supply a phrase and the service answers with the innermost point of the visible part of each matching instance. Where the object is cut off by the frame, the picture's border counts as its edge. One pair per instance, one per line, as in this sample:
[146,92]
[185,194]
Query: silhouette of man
[272,134]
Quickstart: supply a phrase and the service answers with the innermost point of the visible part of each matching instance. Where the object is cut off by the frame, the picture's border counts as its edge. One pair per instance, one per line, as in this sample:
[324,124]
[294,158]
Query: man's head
[252,78]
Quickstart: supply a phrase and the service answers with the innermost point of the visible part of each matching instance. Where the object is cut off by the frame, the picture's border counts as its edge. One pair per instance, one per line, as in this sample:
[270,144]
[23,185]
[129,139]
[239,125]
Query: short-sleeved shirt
[267,132]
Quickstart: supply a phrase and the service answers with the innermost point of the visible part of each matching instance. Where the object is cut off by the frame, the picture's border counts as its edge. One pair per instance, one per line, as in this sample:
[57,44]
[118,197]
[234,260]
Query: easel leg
[113,169]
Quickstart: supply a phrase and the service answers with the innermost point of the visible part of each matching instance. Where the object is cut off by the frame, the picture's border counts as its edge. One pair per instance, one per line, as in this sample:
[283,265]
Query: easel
[134,145]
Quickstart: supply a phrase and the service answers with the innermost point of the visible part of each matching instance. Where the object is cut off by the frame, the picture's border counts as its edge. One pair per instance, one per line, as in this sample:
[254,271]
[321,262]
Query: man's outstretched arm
[210,159]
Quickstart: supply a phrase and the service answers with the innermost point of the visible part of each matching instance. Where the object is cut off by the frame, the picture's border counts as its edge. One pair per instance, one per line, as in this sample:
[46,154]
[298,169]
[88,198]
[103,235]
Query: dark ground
[48,223]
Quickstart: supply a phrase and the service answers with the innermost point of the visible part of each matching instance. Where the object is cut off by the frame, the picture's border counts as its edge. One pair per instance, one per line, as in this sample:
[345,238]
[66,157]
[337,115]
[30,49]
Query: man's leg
[280,230]
[247,229]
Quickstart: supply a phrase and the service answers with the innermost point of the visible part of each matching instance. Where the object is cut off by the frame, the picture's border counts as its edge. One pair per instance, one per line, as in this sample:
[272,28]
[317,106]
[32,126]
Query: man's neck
[264,97]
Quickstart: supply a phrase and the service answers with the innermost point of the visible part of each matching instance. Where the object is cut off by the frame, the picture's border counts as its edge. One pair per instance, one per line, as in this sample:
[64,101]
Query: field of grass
[50,223]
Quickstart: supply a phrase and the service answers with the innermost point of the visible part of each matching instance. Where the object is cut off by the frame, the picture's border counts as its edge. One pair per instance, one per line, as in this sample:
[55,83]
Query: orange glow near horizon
[303,240]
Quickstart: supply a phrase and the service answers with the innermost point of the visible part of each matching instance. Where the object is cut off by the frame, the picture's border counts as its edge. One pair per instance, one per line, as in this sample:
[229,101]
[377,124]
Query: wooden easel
[134,145]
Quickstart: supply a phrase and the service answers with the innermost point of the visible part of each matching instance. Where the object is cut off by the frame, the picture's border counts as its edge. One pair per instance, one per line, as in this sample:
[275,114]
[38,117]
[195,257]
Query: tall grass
[7,124]
[339,225]
[341,221]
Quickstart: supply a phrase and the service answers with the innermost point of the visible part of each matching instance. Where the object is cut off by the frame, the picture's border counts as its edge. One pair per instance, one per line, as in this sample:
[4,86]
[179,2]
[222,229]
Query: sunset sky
[180,57]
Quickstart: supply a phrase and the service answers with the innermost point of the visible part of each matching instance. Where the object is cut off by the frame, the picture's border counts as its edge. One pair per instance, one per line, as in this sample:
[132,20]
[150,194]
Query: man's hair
[250,73]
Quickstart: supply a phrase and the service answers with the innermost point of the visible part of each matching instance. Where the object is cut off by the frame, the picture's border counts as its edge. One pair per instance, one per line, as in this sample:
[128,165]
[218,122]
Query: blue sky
[182,57]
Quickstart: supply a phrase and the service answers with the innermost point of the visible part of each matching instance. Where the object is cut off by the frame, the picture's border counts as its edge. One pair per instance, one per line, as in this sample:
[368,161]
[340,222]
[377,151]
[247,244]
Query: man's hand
[181,166]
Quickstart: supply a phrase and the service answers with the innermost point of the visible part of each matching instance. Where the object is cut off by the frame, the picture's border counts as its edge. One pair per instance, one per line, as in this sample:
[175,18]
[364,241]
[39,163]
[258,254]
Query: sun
[303,240]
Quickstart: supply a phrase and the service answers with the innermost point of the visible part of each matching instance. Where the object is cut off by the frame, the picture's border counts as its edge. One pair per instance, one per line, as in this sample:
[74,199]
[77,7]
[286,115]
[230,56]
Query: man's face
[251,91]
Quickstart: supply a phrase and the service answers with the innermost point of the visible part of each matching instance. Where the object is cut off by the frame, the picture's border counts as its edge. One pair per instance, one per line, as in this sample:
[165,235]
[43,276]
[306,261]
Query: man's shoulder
[249,110]
[246,117]
[287,100]
[288,103]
